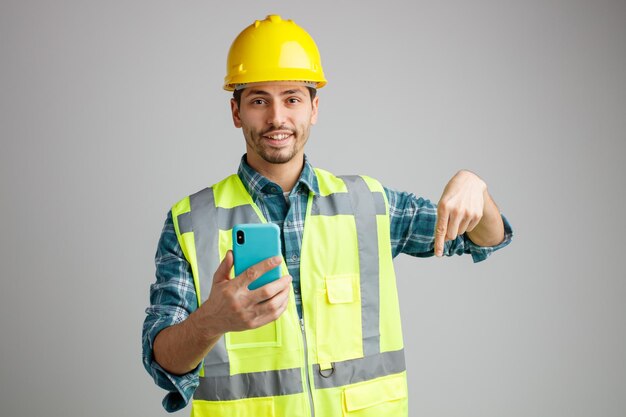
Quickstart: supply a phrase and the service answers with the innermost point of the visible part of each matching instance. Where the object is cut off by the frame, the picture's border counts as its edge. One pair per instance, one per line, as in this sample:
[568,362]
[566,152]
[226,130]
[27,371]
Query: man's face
[276,119]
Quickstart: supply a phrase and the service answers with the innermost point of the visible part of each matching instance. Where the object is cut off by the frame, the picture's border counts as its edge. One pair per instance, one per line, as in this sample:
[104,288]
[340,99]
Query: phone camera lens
[240,237]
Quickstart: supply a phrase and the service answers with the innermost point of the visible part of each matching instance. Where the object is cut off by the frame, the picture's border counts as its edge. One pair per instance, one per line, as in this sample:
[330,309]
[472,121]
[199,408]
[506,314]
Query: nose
[276,114]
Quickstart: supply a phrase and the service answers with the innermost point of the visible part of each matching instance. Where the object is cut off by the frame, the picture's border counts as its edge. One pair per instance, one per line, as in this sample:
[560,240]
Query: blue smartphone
[253,243]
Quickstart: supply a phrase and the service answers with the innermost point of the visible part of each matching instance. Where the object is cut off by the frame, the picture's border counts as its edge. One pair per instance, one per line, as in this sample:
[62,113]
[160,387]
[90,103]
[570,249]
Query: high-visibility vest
[346,357]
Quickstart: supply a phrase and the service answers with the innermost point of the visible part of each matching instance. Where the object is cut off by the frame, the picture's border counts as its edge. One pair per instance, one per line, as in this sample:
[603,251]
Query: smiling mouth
[276,137]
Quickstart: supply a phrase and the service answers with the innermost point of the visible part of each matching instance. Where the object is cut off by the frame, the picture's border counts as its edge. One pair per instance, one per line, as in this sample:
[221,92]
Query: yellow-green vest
[346,357]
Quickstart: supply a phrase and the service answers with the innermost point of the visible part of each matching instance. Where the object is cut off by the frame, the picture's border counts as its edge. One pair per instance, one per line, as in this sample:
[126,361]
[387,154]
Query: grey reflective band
[204,226]
[331,205]
[249,385]
[367,237]
[206,221]
[379,203]
[340,203]
[227,218]
[184,223]
[362,369]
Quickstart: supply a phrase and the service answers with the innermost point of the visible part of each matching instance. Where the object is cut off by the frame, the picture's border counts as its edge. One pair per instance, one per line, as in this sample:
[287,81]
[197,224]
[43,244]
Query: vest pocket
[385,396]
[264,336]
[236,408]
[338,319]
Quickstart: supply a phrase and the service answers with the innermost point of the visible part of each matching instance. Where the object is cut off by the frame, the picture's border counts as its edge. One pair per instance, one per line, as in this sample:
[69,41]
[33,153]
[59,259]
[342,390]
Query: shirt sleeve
[172,299]
[413,221]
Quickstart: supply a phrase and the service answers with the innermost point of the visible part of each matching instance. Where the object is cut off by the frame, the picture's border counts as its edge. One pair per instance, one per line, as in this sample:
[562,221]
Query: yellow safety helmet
[273,50]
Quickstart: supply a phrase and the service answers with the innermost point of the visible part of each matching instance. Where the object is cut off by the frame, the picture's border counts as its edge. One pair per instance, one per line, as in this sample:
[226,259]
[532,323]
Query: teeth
[279,137]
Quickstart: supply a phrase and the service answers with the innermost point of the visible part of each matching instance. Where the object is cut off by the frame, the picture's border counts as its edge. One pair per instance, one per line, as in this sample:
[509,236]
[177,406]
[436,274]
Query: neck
[286,175]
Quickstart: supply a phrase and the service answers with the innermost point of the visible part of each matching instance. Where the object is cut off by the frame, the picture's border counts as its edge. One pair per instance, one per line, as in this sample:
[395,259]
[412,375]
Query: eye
[293,100]
[258,101]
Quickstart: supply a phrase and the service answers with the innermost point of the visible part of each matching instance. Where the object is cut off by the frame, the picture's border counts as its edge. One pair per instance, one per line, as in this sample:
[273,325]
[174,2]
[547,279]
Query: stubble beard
[276,156]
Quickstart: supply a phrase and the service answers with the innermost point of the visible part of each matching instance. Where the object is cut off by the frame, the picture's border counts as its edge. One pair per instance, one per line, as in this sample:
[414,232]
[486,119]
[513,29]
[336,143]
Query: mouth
[277,138]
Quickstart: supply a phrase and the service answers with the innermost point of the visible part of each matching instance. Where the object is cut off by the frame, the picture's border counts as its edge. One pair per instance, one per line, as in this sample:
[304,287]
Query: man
[324,339]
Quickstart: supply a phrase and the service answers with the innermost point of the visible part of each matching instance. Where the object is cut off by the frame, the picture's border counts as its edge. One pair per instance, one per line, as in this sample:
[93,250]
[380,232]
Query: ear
[314,105]
[234,109]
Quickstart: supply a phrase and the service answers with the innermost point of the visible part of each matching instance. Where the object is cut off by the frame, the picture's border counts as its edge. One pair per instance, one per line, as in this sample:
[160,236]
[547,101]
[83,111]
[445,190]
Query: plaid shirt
[173,296]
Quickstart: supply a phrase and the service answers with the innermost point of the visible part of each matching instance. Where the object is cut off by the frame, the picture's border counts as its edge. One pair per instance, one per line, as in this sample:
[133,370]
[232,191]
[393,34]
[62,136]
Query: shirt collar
[257,185]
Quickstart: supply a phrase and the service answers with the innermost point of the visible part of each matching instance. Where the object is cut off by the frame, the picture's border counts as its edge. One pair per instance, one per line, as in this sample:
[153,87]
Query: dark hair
[237,95]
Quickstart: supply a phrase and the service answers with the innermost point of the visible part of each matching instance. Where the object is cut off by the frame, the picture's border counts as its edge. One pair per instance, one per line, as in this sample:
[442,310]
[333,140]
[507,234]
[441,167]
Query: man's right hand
[231,306]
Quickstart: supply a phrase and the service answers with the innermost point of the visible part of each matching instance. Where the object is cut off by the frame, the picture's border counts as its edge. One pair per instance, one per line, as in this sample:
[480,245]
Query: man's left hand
[460,207]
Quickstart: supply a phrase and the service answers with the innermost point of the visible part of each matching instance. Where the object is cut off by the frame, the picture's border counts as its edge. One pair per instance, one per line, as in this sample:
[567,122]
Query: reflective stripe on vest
[361,369]
[367,237]
[205,220]
[249,385]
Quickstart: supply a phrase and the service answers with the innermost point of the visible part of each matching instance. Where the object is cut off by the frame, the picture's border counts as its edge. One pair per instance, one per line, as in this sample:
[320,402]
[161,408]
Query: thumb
[223,271]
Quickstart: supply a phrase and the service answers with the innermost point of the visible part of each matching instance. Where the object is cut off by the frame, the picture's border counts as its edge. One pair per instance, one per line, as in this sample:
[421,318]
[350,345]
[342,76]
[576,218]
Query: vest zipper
[306,364]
